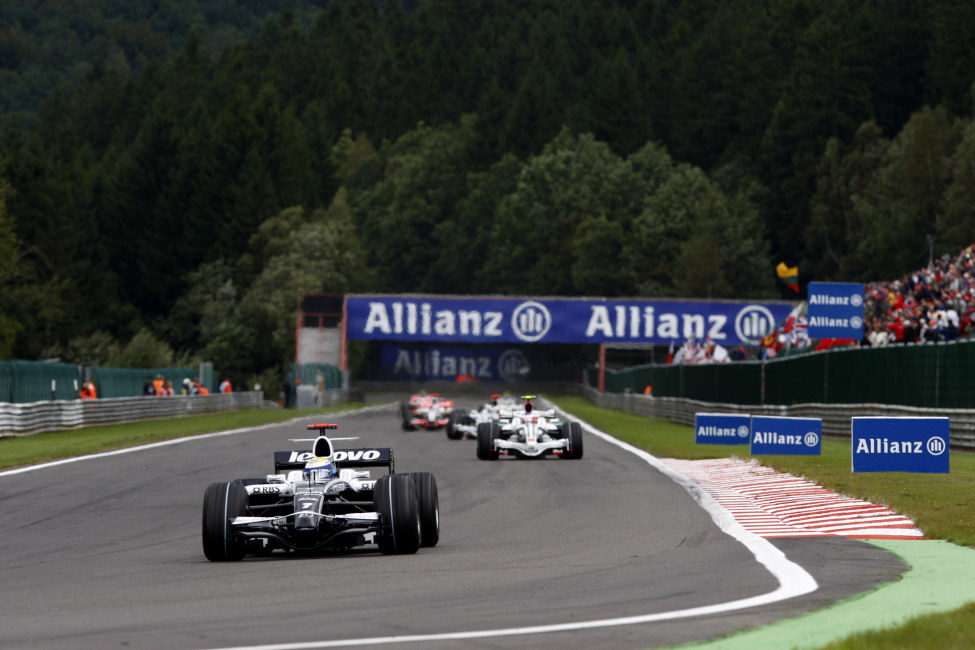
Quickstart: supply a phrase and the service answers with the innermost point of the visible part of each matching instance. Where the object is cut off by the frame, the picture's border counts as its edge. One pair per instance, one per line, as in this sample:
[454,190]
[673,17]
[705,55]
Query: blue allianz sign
[721,429]
[484,364]
[557,320]
[900,445]
[835,310]
[790,436]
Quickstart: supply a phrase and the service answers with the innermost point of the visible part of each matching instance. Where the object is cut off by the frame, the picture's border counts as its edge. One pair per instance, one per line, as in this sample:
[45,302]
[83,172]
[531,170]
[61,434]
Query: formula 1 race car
[425,412]
[317,500]
[463,424]
[529,434]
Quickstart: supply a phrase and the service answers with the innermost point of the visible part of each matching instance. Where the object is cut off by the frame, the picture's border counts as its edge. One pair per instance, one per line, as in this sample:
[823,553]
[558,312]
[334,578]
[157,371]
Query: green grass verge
[954,630]
[942,505]
[41,447]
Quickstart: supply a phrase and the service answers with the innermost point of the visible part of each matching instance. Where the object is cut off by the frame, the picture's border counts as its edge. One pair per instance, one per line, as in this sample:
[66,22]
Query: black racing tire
[406,416]
[452,421]
[398,507]
[429,503]
[221,503]
[487,433]
[573,434]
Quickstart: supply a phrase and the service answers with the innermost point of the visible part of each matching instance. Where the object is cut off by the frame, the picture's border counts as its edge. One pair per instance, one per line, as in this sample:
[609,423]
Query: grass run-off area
[40,447]
[952,631]
[942,505]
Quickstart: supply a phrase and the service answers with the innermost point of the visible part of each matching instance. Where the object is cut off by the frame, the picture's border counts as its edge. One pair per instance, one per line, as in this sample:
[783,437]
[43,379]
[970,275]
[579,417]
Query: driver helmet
[319,470]
[528,407]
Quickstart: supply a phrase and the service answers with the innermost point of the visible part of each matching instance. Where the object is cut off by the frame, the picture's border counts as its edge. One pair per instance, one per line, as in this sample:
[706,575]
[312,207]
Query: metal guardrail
[19,419]
[836,417]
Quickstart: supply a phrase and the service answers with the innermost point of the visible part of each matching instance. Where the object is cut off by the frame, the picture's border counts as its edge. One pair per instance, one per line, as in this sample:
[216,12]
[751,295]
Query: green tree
[959,222]
[572,179]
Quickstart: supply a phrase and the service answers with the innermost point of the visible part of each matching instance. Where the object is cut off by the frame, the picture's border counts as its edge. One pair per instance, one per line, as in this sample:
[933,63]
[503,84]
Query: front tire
[429,504]
[396,502]
[221,503]
[487,433]
[452,421]
[406,415]
[573,434]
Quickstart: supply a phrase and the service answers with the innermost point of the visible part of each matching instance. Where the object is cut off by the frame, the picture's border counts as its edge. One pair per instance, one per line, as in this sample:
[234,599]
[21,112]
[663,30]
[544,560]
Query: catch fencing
[34,381]
[836,417]
[933,375]
[18,419]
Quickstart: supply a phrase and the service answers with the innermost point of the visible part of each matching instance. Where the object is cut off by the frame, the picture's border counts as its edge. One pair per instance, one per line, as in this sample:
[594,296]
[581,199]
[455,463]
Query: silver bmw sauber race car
[529,433]
[463,424]
[319,500]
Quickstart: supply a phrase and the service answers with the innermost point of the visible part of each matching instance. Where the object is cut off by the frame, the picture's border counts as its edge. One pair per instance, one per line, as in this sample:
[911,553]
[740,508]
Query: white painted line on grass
[793,580]
[176,441]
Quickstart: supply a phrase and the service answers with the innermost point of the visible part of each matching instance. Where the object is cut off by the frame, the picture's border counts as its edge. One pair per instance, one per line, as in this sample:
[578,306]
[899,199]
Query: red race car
[425,411]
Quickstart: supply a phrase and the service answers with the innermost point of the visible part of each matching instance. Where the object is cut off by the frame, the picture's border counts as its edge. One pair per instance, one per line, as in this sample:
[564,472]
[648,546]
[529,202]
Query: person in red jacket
[225,386]
[88,391]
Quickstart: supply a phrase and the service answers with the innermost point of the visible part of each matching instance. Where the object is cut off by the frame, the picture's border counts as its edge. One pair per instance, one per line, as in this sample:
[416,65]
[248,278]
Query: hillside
[647,147]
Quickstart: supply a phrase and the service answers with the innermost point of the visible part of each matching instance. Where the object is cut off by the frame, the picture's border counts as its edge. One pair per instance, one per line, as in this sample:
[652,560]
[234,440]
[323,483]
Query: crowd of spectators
[936,303]
[163,387]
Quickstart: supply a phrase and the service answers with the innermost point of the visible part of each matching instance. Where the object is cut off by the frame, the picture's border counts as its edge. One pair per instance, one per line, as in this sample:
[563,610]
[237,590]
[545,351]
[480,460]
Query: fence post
[826,377]
[762,389]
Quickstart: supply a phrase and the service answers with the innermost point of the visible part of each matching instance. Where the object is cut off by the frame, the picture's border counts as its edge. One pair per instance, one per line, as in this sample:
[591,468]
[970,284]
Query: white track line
[793,580]
[177,441]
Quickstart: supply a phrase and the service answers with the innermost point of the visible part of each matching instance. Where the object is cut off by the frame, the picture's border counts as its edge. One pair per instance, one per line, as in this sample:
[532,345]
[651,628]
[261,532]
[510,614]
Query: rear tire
[429,504]
[396,502]
[573,434]
[452,421]
[221,503]
[487,433]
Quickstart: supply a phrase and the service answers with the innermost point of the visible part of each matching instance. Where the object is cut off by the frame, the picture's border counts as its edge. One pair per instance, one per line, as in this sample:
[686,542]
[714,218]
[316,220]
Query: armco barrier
[836,417]
[18,419]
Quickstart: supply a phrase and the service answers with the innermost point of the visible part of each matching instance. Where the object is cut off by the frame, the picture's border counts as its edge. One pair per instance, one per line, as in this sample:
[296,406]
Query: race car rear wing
[344,458]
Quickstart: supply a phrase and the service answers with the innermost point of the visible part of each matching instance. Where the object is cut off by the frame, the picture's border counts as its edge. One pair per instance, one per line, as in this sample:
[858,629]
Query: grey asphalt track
[106,553]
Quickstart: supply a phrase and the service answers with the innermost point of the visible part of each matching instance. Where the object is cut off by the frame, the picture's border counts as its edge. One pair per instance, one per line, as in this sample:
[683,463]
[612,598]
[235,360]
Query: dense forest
[176,208]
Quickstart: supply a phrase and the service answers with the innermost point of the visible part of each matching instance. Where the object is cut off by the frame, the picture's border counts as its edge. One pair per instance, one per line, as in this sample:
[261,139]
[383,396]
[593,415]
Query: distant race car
[425,412]
[317,500]
[463,424]
[528,433]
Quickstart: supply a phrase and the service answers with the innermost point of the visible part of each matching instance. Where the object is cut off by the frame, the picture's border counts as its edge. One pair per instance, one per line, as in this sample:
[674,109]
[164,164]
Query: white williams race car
[318,500]
[529,434]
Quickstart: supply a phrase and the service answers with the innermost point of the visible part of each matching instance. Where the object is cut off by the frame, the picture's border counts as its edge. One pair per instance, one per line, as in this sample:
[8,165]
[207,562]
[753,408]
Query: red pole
[344,346]
[602,368]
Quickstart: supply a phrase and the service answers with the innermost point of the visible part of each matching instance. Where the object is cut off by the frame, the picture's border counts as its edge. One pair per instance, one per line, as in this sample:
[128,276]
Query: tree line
[648,147]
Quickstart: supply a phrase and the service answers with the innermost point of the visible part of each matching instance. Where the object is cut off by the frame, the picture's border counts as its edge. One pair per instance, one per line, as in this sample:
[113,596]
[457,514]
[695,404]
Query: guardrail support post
[602,368]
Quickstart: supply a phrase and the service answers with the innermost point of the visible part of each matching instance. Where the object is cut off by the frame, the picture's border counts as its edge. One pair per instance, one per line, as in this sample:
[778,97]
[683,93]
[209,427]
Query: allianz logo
[722,432]
[810,439]
[935,446]
[399,317]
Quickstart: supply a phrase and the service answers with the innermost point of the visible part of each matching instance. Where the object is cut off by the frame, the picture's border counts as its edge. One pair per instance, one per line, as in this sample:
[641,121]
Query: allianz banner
[835,310]
[484,364]
[558,320]
[900,444]
[721,429]
[792,436]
